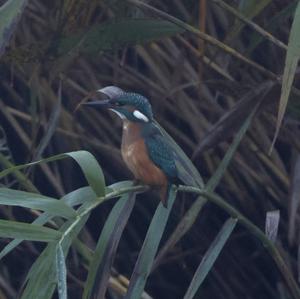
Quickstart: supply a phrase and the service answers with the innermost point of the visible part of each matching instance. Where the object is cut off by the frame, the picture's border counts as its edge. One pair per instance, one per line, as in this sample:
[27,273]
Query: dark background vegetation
[200,94]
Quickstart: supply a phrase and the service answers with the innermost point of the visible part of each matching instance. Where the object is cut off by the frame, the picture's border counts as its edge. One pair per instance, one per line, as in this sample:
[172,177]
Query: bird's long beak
[110,92]
[98,104]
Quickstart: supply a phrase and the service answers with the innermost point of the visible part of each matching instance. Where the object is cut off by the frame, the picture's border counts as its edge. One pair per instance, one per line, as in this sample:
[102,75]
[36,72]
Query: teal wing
[160,152]
[186,171]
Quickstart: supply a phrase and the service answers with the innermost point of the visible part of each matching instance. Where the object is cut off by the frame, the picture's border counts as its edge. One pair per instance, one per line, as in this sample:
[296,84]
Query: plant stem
[219,201]
[257,232]
[22,179]
[99,200]
[251,24]
[204,36]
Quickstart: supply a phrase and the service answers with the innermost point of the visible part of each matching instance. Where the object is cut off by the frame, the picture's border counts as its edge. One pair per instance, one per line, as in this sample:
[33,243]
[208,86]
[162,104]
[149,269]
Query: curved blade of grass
[41,220]
[10,13]
[4,148]
[265,34]
[79,196]
[61,272]
[219,173]
[291,62]
[117,35]
[21,177]
[146,256]
[110,36]
[191,215]
[118,185]
[27,231]
[294,201]
[91,169]
[208,38]
[87,162]
[43,271]
[100,266]
[273,24]
[250,9]
[84,194]
[76,197]
[287,275]
[35,201]
[210,257]
[226,126]
[40,273]
[50,127]
[272,223]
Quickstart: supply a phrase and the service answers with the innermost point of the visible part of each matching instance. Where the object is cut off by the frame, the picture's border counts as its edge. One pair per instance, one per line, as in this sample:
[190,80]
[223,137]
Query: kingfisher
[145,150]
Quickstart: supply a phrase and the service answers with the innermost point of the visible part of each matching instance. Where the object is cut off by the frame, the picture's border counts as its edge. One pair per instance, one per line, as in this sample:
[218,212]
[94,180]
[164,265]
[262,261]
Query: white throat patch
[139,115]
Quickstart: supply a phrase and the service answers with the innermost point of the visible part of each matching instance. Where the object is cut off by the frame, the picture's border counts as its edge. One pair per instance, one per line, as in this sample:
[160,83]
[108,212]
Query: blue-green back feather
[160,152]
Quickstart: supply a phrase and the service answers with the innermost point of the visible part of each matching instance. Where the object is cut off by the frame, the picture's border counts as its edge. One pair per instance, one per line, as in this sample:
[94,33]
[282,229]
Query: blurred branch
[220,70]
[251,24]
[256,231]
[22,179]
[27,142]
[205,37]
[202,28]
[70,134]
[219,201]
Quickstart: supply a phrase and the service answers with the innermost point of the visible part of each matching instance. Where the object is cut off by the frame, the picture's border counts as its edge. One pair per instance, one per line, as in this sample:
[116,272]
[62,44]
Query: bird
[145,149]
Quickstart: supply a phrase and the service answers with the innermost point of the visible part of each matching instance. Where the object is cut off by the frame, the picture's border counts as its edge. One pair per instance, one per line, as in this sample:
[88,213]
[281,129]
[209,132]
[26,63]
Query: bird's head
[127,105]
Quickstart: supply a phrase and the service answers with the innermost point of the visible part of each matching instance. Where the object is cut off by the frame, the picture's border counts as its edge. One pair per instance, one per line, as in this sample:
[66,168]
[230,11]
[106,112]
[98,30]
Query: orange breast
[137,160]
[135,155]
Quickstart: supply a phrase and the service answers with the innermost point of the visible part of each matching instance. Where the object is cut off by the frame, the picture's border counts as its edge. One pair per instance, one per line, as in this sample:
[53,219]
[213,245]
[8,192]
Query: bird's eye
[118,104]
